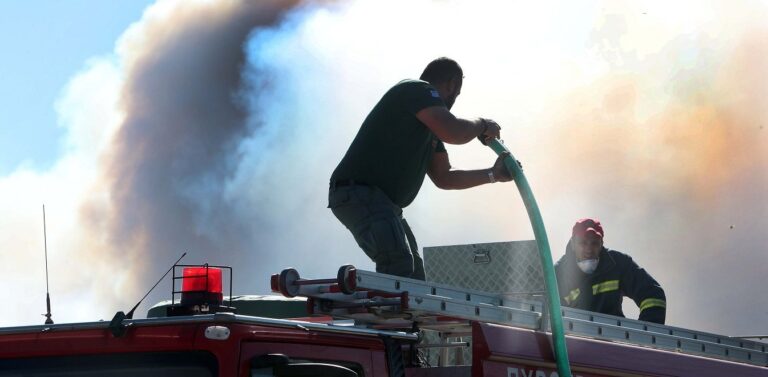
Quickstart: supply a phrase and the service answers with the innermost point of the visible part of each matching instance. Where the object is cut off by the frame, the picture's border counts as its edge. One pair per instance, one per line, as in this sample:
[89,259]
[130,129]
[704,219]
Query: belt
[347,182]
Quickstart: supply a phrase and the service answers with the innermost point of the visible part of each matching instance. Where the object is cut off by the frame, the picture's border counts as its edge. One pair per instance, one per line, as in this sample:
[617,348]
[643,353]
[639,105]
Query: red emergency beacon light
[201,290]
[201,285]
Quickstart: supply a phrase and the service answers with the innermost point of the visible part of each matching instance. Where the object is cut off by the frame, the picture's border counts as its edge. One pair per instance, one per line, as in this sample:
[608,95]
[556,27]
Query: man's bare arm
[444,177]
[453,130]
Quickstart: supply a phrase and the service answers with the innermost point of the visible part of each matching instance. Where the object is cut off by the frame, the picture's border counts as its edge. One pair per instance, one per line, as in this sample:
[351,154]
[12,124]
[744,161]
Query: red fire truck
[361,323]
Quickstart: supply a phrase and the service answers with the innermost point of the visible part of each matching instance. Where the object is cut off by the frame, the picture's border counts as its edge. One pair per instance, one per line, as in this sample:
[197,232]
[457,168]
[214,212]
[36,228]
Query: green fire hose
[556,317]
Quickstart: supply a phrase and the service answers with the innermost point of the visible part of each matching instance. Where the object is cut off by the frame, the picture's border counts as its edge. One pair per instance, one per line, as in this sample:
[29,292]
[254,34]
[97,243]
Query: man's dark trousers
[378,227]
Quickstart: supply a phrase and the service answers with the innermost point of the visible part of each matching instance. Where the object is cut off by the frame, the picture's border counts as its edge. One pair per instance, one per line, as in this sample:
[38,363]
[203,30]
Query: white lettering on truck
[522,372]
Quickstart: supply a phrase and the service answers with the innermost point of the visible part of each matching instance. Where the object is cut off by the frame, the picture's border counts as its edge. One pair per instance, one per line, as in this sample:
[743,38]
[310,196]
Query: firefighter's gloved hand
[500,171]
[491,130]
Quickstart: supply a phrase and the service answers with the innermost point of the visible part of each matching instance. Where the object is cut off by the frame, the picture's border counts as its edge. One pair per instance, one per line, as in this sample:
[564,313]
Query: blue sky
[44,43]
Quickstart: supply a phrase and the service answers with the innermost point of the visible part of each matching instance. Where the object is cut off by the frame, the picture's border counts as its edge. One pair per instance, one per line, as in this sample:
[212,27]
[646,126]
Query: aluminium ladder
[391,302]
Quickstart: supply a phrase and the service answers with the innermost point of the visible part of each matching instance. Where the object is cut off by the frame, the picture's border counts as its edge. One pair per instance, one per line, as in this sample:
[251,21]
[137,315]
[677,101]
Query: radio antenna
[48,320]
[130,314]
[116,326]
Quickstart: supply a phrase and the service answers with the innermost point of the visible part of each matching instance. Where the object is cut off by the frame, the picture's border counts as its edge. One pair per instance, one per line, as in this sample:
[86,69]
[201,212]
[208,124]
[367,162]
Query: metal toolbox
[512,269]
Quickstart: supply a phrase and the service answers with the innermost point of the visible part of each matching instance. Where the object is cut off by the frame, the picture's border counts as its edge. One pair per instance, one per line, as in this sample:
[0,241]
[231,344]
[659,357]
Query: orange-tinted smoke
[696,145]
[683,187]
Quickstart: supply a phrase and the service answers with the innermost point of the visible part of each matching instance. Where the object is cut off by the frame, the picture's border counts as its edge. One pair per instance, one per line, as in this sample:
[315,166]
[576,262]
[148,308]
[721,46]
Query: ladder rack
[385,301]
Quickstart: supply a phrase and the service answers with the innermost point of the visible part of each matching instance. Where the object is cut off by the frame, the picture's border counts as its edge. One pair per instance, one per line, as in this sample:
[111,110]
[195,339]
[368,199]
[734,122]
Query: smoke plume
[216,125]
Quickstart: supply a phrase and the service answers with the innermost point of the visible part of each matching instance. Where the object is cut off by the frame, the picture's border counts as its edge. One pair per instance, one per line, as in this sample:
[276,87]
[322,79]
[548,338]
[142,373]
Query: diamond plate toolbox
[509,268]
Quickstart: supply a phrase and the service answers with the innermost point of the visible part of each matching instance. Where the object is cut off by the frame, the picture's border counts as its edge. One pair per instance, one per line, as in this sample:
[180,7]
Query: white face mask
[588,266]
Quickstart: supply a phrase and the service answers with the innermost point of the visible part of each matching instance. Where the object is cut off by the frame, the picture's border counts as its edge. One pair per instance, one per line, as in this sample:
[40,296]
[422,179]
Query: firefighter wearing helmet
[595,278]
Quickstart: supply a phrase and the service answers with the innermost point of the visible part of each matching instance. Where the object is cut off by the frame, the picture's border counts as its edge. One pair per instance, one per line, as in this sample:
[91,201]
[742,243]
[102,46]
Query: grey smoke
[178,146]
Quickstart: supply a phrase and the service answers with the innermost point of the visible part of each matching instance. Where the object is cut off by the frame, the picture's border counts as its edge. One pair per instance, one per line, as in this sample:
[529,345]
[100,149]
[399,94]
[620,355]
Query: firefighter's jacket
[616,276]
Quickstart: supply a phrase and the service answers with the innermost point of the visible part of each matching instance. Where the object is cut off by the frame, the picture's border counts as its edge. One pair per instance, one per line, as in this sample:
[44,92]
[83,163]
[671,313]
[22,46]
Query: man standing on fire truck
[595,278]
[401,141]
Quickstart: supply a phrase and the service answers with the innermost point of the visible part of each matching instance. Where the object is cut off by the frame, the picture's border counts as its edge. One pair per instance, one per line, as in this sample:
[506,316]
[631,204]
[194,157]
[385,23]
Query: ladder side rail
[390,283]
[427,306]
[723,339]
[474,312]
[334,296]
[657,336]
[664,329]
[662,341]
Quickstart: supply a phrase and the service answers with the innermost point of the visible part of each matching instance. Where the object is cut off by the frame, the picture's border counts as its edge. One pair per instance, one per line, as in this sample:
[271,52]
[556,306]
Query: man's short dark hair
[441,70]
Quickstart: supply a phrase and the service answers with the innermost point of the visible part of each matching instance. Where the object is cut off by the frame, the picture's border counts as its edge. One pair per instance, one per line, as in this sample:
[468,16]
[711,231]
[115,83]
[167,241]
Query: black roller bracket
[116,325]
[346,279]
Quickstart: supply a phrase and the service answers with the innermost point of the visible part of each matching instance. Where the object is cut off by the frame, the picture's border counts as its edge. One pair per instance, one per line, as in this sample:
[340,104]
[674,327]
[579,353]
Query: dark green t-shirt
[393,149]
